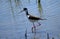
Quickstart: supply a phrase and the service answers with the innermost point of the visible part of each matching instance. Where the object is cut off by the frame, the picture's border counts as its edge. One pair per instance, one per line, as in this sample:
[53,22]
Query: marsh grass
[40,7]
[28,1]
[17,2]
[12,10]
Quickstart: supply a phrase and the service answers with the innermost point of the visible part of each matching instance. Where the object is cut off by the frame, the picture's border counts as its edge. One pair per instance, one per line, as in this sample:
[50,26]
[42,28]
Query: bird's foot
[38,24]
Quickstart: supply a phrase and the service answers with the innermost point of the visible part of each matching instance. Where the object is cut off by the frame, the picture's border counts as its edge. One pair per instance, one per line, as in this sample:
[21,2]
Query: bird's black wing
[34,18]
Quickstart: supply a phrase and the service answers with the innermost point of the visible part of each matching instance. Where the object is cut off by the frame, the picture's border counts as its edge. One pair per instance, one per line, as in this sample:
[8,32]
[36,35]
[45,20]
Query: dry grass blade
[12,10]
[17,2]
[29,1]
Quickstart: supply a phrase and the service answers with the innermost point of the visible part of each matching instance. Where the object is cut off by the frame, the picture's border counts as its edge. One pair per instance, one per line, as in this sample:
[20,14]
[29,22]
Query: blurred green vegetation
[40,7]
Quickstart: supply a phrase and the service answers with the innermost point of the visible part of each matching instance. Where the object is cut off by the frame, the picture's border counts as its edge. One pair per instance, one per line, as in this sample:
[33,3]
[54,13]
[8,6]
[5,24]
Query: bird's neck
[27,12]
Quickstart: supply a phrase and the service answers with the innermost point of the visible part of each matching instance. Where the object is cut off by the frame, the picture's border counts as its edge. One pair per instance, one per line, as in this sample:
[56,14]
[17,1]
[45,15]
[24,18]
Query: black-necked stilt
[32,18]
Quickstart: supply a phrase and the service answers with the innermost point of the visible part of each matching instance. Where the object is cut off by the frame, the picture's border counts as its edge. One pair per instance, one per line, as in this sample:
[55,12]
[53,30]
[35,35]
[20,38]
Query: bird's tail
[43,19]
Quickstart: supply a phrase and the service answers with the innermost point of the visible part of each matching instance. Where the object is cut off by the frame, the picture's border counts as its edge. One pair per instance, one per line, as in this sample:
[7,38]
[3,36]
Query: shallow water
[15,29]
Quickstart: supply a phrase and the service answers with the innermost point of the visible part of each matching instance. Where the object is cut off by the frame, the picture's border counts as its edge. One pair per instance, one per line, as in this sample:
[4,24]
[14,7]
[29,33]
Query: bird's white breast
[28,16]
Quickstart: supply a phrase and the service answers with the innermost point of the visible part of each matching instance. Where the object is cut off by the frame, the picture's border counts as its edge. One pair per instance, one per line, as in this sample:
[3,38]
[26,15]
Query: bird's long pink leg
[33,28]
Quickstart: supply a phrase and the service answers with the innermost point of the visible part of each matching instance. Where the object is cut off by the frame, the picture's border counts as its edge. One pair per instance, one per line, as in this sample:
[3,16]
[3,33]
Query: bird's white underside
[28,16]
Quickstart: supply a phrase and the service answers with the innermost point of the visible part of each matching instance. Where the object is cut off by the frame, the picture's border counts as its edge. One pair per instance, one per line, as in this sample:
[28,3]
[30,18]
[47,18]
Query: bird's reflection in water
[34,29]
[35,34]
